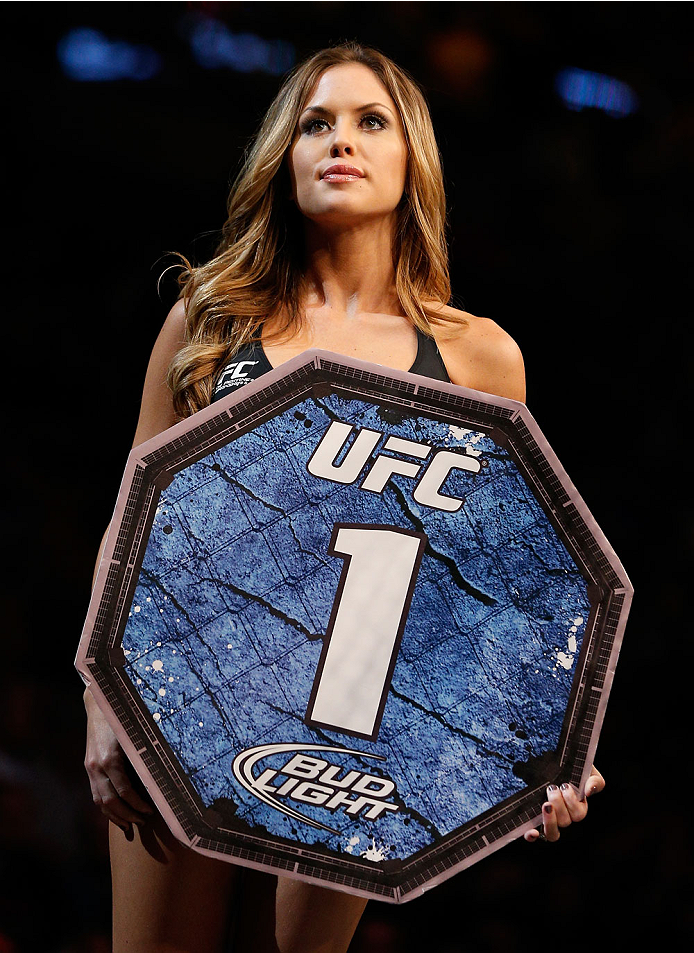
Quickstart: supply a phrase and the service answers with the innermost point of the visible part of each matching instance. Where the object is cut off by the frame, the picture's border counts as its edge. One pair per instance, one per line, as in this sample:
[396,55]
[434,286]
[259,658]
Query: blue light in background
[214,46]
[87,55]
[580,89]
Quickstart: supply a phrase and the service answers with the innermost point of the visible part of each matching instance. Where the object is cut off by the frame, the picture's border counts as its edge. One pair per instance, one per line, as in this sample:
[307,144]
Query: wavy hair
[257,270]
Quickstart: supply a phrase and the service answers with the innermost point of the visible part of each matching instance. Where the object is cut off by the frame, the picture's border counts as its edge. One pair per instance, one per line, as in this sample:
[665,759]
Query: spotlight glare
[214,46]
[87,55]
[581,89]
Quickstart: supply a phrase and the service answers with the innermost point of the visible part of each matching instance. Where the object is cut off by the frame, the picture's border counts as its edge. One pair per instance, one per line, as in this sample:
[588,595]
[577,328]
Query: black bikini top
[251,362]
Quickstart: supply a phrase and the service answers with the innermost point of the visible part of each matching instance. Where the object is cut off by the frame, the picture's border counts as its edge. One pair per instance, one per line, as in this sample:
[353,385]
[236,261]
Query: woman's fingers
[549,822]
[110,804]
[112,788]
[595,782]
[106,799]
[576,807]
[126,791]
[118,800]
[564,807]
[555,797]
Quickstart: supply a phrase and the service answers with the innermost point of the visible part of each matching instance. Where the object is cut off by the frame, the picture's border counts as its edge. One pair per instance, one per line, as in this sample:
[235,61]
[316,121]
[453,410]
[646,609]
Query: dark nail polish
[552,788]
[547,808]
[566,787]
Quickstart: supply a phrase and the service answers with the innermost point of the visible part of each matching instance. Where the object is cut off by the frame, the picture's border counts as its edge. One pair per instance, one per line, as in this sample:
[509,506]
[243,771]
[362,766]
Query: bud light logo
[307,779]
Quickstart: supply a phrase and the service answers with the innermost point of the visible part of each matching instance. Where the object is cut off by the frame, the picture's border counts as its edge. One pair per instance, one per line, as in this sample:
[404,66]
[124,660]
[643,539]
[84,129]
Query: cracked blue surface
[235,593]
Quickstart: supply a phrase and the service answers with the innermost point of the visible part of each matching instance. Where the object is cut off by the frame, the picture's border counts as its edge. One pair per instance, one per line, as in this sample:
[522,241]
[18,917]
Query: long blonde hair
[257,271]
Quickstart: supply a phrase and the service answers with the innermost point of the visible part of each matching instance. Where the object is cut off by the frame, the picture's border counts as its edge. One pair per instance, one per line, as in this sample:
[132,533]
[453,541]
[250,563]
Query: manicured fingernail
[566,787]
[552,788]
[547,808]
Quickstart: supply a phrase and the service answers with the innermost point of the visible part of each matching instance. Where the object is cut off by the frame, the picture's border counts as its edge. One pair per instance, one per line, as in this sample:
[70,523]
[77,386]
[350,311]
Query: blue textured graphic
[234,598]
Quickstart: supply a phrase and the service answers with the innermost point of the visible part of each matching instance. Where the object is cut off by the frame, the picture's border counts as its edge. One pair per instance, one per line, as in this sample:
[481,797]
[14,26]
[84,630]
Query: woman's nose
[342,144]
[339,148]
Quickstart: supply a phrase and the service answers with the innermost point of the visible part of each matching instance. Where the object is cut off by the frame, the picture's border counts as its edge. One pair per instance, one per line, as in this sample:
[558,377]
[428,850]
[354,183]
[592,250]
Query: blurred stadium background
[566,131]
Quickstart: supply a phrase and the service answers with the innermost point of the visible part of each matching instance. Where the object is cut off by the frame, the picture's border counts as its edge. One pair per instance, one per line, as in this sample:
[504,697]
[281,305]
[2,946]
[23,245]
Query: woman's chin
[344,215]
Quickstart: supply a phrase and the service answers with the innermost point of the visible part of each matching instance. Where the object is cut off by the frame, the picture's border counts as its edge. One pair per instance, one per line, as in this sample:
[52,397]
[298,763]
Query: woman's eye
[311,127]
[314,125]
[374,121]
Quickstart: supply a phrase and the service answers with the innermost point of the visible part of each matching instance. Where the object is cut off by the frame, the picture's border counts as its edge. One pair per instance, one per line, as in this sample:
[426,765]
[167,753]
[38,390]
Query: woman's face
[348,161]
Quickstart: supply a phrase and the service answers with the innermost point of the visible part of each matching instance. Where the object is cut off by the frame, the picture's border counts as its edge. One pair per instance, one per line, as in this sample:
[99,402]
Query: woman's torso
[251,362]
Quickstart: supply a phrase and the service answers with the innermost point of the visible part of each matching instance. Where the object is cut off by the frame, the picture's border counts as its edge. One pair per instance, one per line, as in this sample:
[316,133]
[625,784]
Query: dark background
[570,228]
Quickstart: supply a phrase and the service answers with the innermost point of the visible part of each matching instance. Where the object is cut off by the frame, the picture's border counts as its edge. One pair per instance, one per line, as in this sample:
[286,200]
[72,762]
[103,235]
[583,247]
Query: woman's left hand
[563,807]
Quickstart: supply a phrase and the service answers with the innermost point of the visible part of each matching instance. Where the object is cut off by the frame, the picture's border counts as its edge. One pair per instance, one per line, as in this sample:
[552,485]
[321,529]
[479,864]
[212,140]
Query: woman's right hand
[112,789]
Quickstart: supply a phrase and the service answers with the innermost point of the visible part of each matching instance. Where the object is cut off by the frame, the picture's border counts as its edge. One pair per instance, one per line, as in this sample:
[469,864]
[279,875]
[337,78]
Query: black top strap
[247,365]
[428,361]
[251,362]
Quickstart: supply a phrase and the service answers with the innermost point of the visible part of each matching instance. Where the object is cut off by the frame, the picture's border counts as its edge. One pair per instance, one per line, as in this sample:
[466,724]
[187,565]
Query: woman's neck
[349,271]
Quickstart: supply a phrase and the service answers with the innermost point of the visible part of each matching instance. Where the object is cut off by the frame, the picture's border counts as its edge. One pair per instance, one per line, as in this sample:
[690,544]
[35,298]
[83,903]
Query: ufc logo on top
[428,489]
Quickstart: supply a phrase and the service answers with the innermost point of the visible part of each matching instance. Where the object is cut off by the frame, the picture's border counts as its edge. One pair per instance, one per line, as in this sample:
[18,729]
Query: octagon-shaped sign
[350,623]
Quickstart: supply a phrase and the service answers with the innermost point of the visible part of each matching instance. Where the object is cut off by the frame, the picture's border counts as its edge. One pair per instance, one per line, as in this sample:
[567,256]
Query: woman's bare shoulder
[175,322]
[156,409]
[478,353]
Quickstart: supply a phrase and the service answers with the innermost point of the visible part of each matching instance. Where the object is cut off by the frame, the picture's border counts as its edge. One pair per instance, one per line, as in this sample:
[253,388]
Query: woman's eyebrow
[373,106]
[322,111]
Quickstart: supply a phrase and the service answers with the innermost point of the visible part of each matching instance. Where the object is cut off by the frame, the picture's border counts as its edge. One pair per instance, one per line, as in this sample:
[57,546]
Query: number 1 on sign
[366,625]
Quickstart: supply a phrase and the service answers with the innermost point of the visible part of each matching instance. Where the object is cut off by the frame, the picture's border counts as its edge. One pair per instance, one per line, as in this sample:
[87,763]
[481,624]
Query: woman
[335,239]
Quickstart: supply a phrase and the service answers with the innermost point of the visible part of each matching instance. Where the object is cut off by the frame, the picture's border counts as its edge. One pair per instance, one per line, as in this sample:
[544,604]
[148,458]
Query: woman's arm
[156,408]
[109,777]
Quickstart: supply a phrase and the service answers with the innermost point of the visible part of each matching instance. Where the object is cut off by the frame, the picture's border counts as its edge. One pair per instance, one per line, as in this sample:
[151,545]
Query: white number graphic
[366,625]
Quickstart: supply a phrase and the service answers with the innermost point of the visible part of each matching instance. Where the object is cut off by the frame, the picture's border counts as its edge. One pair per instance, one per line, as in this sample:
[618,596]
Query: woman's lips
[342,173]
